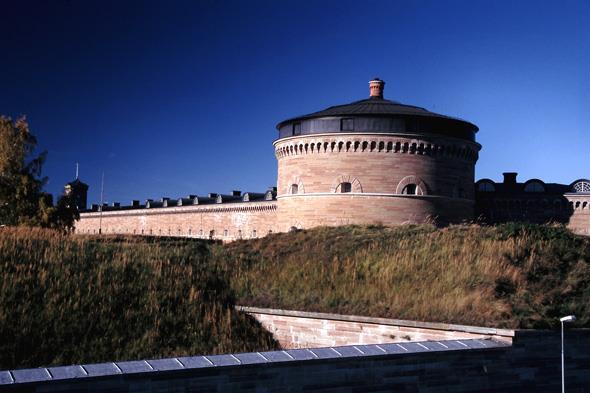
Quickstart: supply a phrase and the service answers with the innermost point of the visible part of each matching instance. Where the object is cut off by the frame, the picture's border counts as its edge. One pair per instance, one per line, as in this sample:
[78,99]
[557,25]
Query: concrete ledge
[508,333]
[151,368]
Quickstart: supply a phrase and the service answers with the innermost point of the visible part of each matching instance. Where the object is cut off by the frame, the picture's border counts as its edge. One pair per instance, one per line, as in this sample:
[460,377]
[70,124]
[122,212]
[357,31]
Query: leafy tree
[22,200]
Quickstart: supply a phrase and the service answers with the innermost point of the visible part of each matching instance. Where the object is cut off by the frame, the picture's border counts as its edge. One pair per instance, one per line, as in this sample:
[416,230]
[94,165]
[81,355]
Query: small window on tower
[410,189]
[296,128]
[347,125]
[344,187]
[294,188]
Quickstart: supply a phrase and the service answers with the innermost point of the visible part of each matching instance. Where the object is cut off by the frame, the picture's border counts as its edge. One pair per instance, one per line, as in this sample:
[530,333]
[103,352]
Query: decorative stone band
[235,207]
[377,143]
[181,365]
[372,194]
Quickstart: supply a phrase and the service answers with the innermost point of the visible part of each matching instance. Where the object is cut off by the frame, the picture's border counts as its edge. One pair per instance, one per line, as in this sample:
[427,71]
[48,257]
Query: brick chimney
[510,177]
[376,87]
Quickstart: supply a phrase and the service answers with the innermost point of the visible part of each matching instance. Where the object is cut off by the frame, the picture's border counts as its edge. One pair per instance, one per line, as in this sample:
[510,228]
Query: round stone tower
[374,161]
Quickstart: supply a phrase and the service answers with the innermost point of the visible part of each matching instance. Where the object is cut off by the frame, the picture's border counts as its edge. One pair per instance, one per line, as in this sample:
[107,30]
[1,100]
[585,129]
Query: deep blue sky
[170,98]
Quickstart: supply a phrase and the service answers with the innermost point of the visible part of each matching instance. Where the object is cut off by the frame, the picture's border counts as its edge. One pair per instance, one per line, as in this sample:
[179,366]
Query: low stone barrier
[530,364]
[301,329]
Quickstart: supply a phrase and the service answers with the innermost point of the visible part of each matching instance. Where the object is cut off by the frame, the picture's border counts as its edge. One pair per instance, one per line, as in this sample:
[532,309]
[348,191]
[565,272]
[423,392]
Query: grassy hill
[76,299]
[513,275]
[67,300]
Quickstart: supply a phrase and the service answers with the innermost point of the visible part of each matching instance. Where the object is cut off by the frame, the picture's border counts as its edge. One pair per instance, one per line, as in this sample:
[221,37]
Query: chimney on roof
[135,203]
[116,204]
[376,87]
[236,193]
[510,177]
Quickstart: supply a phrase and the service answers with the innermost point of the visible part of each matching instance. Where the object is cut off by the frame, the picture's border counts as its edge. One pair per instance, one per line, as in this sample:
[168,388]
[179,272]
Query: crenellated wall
[217,221]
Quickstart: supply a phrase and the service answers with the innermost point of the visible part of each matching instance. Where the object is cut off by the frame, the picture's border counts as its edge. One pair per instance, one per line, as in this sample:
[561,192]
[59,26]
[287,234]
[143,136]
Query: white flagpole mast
[101,204]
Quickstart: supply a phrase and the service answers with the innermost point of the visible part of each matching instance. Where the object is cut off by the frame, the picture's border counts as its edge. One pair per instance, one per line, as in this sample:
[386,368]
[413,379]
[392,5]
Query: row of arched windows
[523,204]
[346,187]
[410,185]
[535,186]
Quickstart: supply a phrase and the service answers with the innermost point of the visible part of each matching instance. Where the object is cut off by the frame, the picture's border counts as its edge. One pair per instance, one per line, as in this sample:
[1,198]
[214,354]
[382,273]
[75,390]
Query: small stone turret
[78,191]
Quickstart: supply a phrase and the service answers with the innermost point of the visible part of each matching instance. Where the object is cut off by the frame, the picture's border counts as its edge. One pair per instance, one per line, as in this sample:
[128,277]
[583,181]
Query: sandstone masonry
[373,161]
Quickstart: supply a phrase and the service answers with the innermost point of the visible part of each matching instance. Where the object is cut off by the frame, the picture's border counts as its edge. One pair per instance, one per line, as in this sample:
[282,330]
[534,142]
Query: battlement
[190,200]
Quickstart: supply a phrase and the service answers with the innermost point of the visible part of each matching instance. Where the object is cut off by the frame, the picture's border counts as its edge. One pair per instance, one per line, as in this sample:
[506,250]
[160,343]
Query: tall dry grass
[505,276]
[82,299]
[67,300]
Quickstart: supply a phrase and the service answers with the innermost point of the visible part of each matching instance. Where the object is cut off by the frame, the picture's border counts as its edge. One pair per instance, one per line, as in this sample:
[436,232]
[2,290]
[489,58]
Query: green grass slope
[66,300]
[513,276]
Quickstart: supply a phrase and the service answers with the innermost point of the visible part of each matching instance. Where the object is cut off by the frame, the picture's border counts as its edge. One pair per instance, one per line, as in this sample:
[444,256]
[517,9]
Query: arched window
[411,185]
[254,233]
[344,187]
[582,186]
[534,186]
[211,234]
[294,188]
[225,232]
[410,189]
[486,186]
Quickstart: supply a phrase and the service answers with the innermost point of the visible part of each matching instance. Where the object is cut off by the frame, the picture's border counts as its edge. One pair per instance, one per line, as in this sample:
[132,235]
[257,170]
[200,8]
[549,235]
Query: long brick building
[373,161]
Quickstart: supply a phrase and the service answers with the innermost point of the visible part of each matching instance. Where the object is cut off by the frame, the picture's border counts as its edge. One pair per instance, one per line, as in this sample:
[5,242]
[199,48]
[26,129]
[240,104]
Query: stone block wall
[300,329]
[579,221]
[226,222]
[377,166]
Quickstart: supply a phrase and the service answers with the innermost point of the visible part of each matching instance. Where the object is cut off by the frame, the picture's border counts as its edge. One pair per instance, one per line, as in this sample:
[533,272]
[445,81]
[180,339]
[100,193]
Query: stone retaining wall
[300,329]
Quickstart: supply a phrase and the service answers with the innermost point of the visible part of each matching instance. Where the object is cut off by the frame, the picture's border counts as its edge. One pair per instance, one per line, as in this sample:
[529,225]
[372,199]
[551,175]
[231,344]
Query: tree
[22,200]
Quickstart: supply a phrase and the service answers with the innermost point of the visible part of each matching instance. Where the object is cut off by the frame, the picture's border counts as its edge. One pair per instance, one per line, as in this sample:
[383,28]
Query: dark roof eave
[413,111]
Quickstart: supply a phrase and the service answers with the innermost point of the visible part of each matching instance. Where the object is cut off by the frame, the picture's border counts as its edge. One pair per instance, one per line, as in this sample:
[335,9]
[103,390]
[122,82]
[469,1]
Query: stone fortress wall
[372,161]
[378,168]
[233,221]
